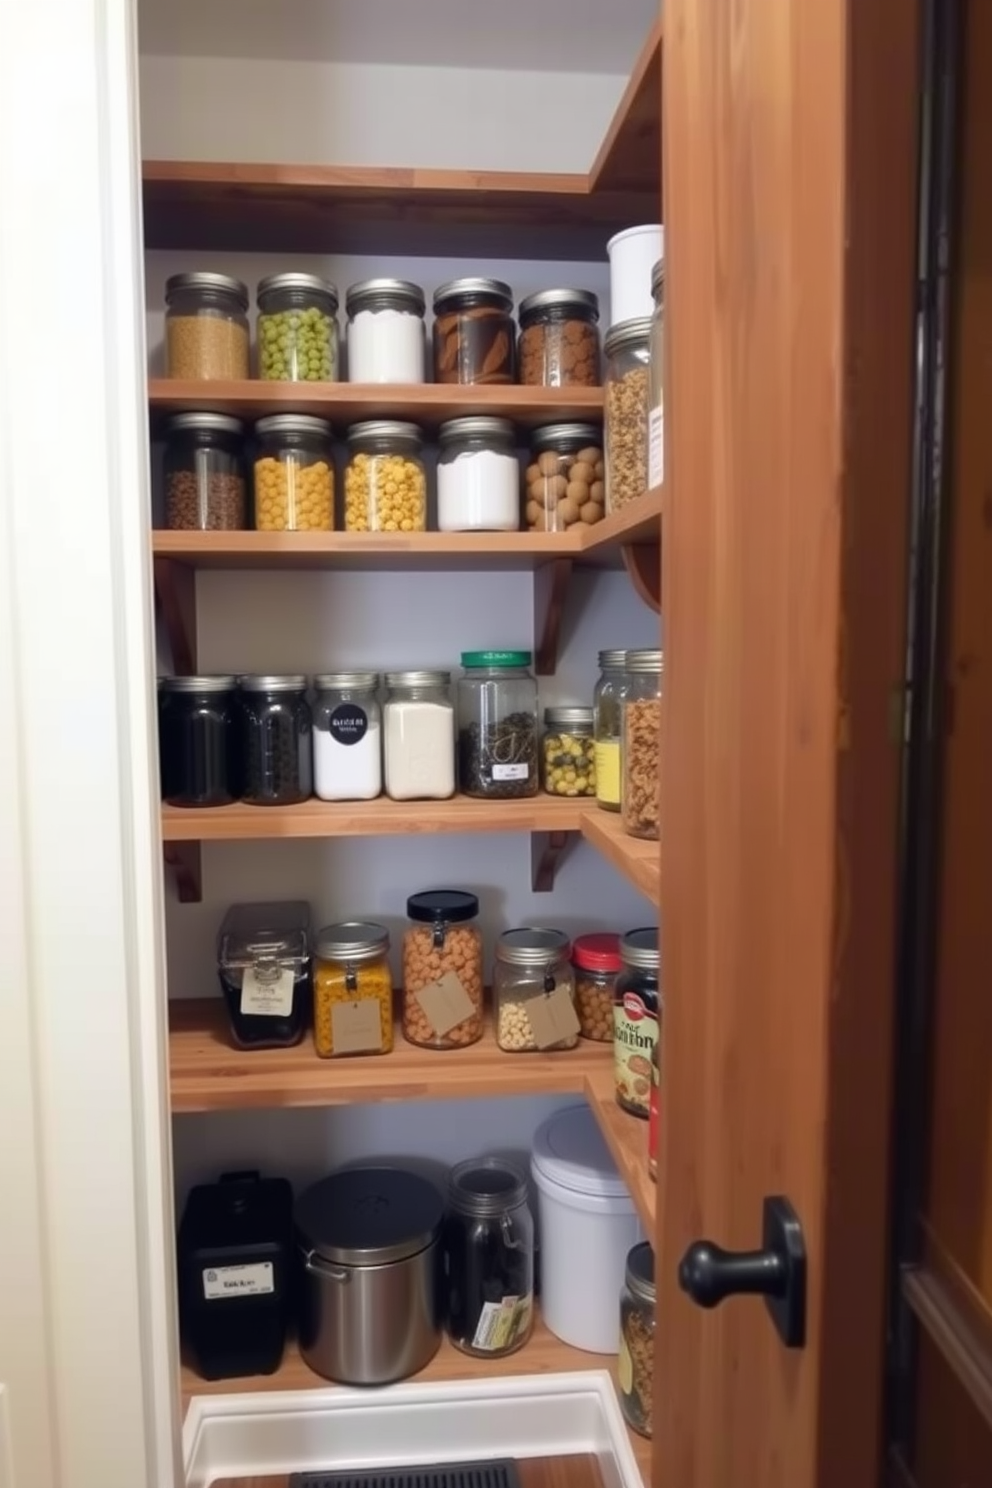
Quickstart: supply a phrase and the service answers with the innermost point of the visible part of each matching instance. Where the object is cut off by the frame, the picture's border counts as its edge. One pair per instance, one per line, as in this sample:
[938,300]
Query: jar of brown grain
[206,327]
[442,970]
[559,339]
[596,959]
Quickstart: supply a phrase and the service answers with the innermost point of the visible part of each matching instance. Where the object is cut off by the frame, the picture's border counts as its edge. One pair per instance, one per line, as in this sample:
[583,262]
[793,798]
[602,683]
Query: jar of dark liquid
[198,741]
[489,1258]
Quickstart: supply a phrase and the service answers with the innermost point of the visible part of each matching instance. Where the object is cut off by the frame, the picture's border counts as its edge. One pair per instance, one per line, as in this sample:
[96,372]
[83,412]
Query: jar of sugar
[347,737]
[478,476]
[419,736]
[386,338]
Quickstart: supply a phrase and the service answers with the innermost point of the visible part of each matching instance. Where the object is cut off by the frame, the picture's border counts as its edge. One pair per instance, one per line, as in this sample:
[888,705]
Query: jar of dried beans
[635,1366]
[205,487]
[474,333]
[442,970]
[640,744]
[534,992]
[626,412]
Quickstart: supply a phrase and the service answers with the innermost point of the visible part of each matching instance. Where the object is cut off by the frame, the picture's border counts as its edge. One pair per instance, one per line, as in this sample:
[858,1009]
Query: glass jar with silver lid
[656,379]
[419,736]
[297,329]
[206,327]
[347,737]
[568,763]
[275,731]
[640,744]
[385,331]
[564,482]
[625,423]
[559,339]
[474,334]
[198,735]
[204,473]
[478,476]
[534,992]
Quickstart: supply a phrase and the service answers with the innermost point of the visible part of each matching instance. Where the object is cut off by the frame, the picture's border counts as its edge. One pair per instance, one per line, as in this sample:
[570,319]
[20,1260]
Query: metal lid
[222,283]
[597,952]
[418,679]
[485,1186]
[289,682]
[494,289]
[308,283]
[385,294]
[207,423]
[196,684]
[358,681]
[442,906]
[294,423]
[566,433]
[628,333]
[368,1216]
[568,717]
[582,300]
[657,277]
[532,947]
[274,932]
[612,660]
[479,427]
[352,941]
[640,1272]
[384,429]
[639,948]
[645,661]
[473,659]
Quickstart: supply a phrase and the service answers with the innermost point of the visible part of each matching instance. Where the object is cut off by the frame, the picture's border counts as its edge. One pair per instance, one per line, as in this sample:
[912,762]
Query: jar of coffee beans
[205,485]
[275,731]
[497,725]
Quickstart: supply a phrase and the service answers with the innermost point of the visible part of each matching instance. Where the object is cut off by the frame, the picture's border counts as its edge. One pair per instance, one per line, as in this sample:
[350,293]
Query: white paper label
[238,1281]
[511,772]
[268,997]
[656,446]
[502,1323]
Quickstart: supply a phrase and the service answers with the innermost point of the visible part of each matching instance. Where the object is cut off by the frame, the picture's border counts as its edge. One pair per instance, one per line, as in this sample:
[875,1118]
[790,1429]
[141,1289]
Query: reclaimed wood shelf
[637,860]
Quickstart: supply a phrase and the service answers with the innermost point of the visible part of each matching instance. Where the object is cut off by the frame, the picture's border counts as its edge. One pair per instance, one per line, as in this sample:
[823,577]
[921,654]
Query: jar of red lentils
[596,959]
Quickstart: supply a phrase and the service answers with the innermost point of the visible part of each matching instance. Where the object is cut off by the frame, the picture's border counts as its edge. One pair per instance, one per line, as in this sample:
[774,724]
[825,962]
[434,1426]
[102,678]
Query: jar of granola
[596,959]
[442,970]
[640,744]
[635,1365]
[352,990]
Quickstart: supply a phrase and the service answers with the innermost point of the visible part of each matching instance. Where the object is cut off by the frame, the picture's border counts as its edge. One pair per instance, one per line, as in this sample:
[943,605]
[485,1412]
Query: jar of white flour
[419,734]
[347,737]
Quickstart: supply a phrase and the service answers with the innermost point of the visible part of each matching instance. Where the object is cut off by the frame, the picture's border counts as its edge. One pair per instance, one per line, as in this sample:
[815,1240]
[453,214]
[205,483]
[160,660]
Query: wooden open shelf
[630,156]
[638,861]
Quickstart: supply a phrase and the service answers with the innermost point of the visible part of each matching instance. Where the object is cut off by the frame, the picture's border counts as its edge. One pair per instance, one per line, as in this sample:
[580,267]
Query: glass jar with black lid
[263,961]
[442,970]
[276,744]
[198,741]
[204,473]
[474,333]
[636,1019]
[489,1258]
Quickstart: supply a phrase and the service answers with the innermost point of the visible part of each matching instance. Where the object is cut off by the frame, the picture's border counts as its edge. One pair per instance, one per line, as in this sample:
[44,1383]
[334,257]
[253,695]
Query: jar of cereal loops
[442,970]
[534,992]
[385,487]
[597,963]
[635,1365]
[352,990]
[294,474]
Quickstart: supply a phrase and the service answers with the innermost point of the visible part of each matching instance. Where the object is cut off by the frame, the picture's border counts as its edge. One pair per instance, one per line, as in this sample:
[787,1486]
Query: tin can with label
[636,1007]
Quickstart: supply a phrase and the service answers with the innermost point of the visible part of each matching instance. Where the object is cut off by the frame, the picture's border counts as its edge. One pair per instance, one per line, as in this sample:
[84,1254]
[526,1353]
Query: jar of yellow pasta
[294,474]
[352,990]
[385,487]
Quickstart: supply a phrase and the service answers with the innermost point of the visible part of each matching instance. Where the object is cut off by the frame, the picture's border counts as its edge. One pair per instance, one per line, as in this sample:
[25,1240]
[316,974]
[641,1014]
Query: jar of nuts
[559,339]
[385,488]
[534,992]
[596,959]
[297,329]
[565,480]
[294,474]
[206,327]
[640,744]
[442,970]
[635,1365]
[474,334]
[636,1019]
[205,488]
[626,412]
[567,764]
[352,990]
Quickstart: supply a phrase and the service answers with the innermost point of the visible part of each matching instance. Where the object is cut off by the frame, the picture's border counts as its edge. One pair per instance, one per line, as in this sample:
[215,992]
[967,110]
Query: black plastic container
[199,741]
[235,1275]
[263,961]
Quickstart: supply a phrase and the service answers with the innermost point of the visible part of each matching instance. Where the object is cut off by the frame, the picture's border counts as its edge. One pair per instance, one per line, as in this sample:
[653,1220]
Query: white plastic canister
[633,253]
[588,1223]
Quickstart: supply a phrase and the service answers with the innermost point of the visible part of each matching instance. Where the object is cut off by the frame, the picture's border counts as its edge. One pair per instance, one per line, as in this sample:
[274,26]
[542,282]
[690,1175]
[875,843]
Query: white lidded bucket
[633,253]
[588,1224]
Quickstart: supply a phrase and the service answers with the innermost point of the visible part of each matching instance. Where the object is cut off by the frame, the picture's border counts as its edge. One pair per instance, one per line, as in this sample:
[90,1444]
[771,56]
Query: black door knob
[709,1274]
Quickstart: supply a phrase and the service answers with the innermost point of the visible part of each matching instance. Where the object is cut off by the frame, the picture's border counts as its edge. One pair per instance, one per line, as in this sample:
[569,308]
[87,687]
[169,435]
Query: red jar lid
[597,952]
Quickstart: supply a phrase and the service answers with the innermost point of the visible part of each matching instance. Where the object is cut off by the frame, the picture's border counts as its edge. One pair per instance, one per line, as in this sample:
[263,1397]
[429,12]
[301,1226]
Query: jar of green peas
[297,329]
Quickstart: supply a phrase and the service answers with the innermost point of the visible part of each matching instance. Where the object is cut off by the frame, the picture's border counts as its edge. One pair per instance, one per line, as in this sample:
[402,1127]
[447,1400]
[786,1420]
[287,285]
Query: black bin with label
[235,1276]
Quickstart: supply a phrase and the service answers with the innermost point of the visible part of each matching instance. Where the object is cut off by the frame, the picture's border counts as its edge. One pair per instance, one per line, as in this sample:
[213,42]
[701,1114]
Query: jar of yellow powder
[385,487]
[294,474]
[352,990]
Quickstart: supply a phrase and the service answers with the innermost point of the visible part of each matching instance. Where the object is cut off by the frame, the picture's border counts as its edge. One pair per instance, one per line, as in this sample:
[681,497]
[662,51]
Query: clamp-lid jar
[442,970]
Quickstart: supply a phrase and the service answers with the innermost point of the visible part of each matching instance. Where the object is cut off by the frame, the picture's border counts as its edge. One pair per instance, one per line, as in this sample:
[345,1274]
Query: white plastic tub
[633,254]
[588,1223]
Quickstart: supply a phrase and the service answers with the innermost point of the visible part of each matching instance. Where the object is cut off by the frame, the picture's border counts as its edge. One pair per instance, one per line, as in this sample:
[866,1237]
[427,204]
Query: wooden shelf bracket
[184,861]
[547,849]
[551,582]
[643,564]
[175,600]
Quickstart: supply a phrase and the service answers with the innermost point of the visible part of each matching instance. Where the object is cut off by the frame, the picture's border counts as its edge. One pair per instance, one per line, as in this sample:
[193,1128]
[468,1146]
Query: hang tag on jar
[267,995]
[445,1003]
[553,1018]
[356,1027]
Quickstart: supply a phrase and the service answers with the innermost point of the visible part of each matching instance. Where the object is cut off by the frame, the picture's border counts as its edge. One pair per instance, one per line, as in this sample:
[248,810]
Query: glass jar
[385,487]
[596,959]
[559,339]
[205,487]
[606,704]
[419,736]
[635,1365]
[636,1019]
[198,741]
[534,992]
[442,970]
[478,476]
[656,379]
[385,331]
[294,474]
[489,1258]
[263,962]
[497,725]
[352,990]
[564,481]
[625,424]
[568,766]
[347,737]
[297,329]
[275,727]
[206,327]
[654,1109]
[640,744]
[474,334]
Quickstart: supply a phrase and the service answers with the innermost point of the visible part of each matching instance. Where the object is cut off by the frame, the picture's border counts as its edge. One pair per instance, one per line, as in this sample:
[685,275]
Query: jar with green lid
[352,990]
[626,412]
[559,339]
[294,474]
[204,471]
[297,329]
[565,478]
[568,766]
[497,725]
[636,1019]
[640,744]
[656,380]
[534,992]
[606,726]
[206,327]
[385,486]
[635,1365]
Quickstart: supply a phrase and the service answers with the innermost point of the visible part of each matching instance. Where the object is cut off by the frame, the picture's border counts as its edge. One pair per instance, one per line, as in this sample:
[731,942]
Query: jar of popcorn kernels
[385,486]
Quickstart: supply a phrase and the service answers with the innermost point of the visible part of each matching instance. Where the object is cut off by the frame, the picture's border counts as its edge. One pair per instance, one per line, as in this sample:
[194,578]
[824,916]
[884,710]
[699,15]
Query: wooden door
[790,170]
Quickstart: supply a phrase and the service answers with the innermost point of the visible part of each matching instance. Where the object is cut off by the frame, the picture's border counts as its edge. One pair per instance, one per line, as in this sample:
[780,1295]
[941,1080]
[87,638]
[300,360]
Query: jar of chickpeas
[352,990]
[597,963]
[385,486]
[534,992]
[294,474]
[442,970]
[568,766]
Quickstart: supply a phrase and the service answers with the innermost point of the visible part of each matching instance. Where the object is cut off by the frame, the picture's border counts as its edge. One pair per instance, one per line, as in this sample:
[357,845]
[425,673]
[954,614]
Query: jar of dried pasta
[352,990]
[442,970]
[596,959]
[635,1365]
